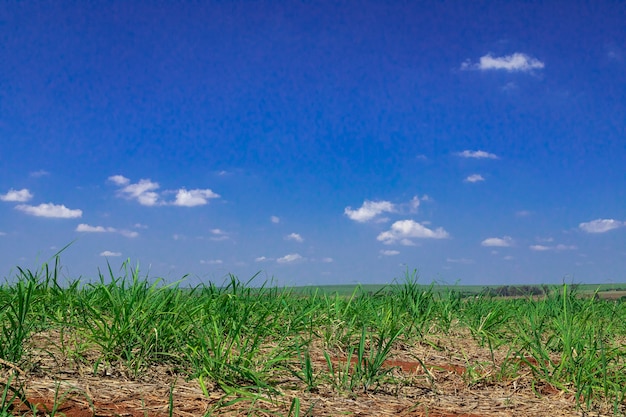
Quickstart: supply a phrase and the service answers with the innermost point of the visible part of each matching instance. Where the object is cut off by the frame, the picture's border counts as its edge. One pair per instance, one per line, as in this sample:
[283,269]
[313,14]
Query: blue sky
[316,142]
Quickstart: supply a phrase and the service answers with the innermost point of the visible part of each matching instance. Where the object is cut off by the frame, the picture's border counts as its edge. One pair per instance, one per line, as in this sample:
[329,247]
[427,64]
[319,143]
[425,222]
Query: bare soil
[448,376]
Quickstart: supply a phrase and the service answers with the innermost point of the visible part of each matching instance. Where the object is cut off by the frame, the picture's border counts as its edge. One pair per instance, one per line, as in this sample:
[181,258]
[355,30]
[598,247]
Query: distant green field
[467,290]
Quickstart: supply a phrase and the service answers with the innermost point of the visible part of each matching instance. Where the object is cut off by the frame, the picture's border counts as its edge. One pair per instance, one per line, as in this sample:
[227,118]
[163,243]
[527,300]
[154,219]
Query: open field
[128,345]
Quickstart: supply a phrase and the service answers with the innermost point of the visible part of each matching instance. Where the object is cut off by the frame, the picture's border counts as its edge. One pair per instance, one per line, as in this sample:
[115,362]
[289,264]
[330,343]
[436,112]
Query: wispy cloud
[50,210]
[212,262]
[369,210]
[601,225]
[40,173]
[109,253]
[403,231]
[517,62]
[145,192]
[18,196]
[292,257]
[559,247]
[389,252]
[463,261]
[502,242]
[474,178]
[218,235]
[275,219]
[477,154]
[295,237]
[83,227]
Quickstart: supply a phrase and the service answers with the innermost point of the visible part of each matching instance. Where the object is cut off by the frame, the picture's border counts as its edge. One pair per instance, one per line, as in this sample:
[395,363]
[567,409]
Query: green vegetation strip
[246,342]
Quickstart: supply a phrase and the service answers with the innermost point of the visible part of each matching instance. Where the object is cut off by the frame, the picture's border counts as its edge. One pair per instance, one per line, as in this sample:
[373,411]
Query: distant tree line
[518,290]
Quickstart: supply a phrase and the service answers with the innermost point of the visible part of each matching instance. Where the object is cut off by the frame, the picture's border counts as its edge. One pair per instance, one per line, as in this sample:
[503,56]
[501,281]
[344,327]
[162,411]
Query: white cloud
[403,230]
[261,259]
[101,229]
[292,257]
[463,261]
[474,178]
[119,180]
[369,210]
[477,154]
[219,235]
[193,198]
[295,237]
[601,225]
[142,191]
[328,260]
[50,210]
[212,262]
[275,219]
[389,252]
[414,204]
[18,196]
[517,62]
[40,173]
[109,253]
[502,242]
[559,247]
[93,229]
[145,192]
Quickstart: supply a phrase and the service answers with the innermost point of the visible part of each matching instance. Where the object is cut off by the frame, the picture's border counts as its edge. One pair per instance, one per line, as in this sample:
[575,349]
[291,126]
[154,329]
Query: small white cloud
[517,62]
[50,210]
[119,179]
[292,257]
[93,229]
[474,178]
[502,242]
[261,259]
[328,260]
[295,237]
[463,261]
[275,219]
[38,174]
[369,210]
[389,252]
[601,225]
[192,198]
[145,192]
[403,230]
[212,262]
[109,253]
[477,154]
[18,196]
[86,228]
[142,191]
[559,247]
[219,235]
[140,226]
